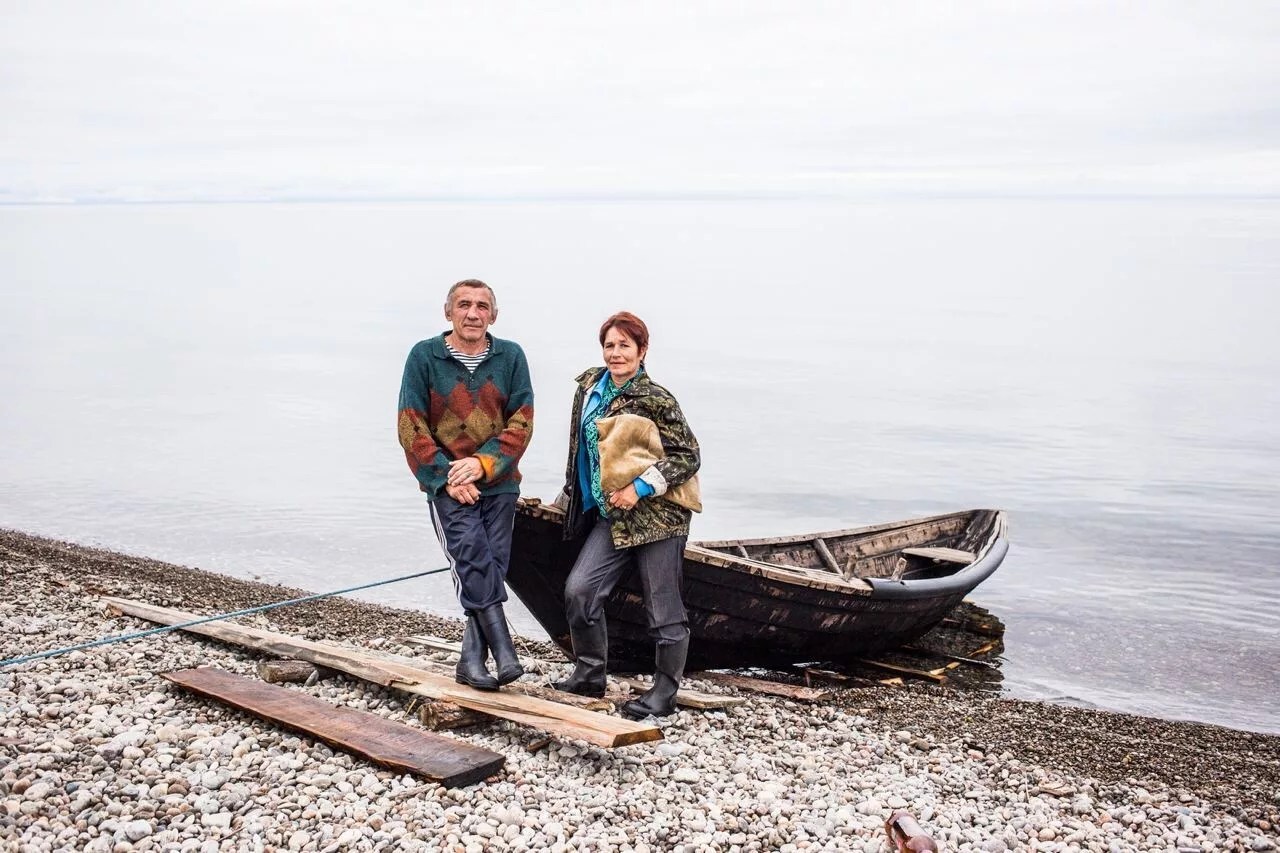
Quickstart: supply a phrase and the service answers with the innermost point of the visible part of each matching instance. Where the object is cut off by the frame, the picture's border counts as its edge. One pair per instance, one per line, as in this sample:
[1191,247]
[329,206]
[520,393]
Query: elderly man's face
[472,313]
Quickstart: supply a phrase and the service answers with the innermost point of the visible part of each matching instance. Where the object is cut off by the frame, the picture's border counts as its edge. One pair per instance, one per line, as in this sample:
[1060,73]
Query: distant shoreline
[692,197]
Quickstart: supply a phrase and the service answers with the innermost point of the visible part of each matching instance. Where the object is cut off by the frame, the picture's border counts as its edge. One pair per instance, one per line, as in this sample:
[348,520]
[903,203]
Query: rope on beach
[106,641]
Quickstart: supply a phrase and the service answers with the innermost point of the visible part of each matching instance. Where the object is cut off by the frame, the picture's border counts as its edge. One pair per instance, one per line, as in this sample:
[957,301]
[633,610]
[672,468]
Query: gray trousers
[600,566]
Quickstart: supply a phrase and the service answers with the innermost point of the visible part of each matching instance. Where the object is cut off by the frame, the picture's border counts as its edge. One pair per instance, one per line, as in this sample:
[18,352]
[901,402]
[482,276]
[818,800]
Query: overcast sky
[405,99]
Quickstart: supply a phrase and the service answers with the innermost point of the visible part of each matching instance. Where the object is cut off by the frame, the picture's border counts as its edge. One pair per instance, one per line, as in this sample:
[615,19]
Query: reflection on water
[215,386]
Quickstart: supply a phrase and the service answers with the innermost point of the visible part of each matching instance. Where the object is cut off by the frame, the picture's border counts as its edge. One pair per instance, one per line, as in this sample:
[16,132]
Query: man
[466,417]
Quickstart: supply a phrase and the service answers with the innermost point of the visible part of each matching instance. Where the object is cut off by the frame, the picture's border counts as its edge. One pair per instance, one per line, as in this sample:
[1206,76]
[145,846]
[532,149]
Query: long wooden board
[684,697]
[438,644]
[552,717]
[687,698]
[762,685]
[450,762]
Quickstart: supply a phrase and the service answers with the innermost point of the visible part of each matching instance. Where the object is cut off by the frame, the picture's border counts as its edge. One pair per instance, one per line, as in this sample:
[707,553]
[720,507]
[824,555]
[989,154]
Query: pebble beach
[99,753]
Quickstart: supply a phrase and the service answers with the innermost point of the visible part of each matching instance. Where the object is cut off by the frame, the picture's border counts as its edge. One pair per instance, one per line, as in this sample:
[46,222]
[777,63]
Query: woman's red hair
[630,325]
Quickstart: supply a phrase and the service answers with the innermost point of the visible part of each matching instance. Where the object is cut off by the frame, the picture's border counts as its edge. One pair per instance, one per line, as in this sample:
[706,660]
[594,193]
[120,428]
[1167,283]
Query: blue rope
[123,637]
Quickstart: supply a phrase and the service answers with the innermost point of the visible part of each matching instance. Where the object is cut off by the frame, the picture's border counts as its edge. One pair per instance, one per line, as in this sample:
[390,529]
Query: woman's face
[621,355]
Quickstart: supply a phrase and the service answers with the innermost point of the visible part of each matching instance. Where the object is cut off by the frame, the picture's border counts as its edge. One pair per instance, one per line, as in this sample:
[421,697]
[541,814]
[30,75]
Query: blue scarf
[591,433]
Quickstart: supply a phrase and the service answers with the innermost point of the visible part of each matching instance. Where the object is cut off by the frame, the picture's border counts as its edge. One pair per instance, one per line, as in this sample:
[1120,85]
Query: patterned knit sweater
[448,413]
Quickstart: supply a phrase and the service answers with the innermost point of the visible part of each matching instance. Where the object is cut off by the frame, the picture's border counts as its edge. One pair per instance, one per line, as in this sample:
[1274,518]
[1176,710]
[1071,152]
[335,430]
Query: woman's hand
[624,499]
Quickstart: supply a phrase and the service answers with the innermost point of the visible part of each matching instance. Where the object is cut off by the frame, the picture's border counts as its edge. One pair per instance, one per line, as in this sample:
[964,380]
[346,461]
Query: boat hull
[740,614]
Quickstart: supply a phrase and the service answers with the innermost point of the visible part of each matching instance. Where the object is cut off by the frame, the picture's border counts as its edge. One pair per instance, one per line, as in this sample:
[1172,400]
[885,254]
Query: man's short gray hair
[470,282]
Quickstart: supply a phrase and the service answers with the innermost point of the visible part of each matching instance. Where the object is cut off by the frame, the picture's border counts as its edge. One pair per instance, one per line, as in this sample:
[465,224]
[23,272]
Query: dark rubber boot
[471,670]
[668,669]
[493,624]
[590,651]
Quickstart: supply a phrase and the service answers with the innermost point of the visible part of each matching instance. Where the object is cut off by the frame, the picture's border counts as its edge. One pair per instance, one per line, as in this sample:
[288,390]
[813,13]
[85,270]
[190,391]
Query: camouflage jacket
[653,518]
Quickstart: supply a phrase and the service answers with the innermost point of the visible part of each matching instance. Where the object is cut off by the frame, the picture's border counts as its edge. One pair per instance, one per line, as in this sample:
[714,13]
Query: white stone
[870,807]
[38,791]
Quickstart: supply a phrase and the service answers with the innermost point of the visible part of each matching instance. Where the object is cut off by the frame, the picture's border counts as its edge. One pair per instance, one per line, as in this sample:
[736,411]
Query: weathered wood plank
[815,578]
[440,644]
[542,692]
[554,717]
[935,675]
[811,673]
[762,685]
[828,559]
[689,698]
[946,555]
[958,658]
[385,742]
[882,566]
[600,729]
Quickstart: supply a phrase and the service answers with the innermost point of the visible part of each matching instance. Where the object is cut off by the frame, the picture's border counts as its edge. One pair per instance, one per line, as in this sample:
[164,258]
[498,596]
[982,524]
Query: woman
[639,523]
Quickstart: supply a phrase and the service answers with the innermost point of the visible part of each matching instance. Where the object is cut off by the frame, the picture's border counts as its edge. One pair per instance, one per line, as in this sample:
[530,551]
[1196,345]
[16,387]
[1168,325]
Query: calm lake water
[216,386]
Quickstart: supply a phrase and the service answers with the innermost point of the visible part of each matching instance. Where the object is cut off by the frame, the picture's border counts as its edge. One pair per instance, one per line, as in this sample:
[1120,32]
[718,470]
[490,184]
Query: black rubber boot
[471,670]
[660,699]
[590,651]
[493,623]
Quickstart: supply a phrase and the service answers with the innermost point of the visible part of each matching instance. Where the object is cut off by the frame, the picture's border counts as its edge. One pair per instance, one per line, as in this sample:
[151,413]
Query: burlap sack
[629,444]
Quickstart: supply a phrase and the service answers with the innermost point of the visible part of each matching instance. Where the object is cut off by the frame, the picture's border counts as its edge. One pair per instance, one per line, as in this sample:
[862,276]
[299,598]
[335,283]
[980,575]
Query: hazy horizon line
[625,196]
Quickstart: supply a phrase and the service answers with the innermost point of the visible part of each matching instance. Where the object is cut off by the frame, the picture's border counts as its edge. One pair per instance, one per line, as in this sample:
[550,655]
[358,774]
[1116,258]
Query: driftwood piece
[974,626]
[761,685]
[811,673]
[938,676]
[385,742]
[916,650]
[553,717]
[289,671]
[689,698]
[438,715]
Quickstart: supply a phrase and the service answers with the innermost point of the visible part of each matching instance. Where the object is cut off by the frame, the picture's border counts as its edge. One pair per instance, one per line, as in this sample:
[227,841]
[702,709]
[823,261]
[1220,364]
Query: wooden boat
[833,596]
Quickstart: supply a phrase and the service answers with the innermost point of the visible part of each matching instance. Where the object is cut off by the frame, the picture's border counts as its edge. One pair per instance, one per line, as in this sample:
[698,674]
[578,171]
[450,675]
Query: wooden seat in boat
[947,555]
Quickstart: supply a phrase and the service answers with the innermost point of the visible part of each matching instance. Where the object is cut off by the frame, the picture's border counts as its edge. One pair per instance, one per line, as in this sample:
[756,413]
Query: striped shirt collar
[471,362]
